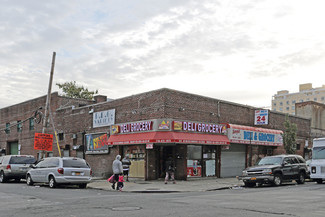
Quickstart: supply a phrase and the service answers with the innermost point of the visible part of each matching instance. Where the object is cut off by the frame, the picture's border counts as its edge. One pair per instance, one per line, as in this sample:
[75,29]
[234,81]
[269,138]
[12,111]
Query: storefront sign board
[104,118]
[255,136]
[149,146]
[198,127]
[261,117]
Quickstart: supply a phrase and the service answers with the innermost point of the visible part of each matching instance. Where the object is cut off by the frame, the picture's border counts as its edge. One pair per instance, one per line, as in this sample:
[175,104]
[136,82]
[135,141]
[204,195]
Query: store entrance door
[13,148]
[164,153]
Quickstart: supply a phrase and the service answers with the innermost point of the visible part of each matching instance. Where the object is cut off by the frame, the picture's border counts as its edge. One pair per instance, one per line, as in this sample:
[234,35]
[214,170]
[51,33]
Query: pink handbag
[111,179]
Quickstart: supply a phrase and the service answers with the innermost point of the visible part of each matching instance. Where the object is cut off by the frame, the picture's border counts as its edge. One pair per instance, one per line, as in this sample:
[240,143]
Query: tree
[72,90]
[289,136]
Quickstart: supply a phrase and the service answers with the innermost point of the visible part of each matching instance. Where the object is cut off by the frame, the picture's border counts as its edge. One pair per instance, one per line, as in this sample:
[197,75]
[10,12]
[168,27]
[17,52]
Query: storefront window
[137,155]
[209,156]
[194,161]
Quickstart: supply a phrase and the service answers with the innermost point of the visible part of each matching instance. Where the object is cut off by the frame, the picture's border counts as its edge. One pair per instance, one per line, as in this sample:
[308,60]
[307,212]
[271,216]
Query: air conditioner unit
[74,136]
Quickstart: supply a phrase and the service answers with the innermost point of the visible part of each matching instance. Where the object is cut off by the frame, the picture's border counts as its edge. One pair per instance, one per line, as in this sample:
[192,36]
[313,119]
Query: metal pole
[48,98]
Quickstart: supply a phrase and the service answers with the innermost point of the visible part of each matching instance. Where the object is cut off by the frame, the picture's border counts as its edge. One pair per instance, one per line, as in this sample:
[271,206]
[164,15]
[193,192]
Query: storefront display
[137,156]
[209,156]
[194,155]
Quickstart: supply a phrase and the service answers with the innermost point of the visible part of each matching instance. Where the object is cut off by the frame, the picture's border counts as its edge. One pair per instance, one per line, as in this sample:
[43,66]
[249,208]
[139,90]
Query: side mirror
[32,166]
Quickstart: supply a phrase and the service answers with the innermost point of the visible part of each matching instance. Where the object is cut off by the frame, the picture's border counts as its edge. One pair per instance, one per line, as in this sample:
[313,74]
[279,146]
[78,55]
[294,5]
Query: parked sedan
[56,170]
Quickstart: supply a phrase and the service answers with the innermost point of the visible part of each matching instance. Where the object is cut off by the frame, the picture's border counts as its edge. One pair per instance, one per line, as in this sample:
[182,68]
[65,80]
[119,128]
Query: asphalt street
[18,199]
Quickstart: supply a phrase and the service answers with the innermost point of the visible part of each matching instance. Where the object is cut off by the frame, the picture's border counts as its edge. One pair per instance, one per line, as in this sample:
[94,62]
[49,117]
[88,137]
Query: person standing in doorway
[170,170]
[126,162]
[117,170]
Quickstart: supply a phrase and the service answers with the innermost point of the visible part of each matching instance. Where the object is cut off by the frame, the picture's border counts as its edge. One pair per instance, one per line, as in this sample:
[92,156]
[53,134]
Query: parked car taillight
[61,171]
[91,172]
[8,167]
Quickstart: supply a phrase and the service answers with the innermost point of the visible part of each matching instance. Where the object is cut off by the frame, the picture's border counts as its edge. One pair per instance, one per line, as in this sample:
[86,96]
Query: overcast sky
[242,51]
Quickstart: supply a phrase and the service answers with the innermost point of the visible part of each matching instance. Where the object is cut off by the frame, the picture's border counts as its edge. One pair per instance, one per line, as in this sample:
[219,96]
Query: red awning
[168,137]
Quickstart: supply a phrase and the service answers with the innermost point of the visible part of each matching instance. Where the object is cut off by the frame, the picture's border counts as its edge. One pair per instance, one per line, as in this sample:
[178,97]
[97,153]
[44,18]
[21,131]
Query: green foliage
[289,136]
[72,90]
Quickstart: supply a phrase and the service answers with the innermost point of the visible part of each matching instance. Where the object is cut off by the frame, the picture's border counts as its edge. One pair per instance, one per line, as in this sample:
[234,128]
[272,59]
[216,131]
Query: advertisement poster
[43,141]
[193,169]
[96,142]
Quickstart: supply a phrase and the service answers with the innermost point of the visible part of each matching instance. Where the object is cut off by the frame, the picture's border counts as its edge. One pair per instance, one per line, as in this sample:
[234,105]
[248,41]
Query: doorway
[164,153]
[13,148]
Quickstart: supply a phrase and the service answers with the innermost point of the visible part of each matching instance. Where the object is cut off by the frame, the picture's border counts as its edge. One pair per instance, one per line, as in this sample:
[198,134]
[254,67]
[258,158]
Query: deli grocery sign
[199,127]
[254,136]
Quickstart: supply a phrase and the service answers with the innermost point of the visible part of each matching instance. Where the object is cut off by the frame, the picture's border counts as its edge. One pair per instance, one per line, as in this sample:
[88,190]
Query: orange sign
[43,141]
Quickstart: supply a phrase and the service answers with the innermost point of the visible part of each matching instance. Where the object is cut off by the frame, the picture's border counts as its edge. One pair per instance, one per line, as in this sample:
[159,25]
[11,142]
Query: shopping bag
[111,179]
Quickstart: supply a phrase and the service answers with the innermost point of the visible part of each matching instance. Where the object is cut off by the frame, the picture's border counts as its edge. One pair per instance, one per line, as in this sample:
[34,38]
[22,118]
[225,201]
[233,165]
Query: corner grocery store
[199,149]
[195,146]
[150,126]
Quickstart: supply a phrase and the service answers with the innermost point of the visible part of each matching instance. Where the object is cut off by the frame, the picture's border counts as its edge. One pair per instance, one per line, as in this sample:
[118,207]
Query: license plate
[253,178]
[77,173]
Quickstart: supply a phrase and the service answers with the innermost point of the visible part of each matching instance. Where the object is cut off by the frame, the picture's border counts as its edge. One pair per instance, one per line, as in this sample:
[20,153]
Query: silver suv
[15,167]
[57,170]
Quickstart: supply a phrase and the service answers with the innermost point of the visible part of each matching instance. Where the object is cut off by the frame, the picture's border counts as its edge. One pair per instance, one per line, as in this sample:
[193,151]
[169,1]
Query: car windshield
[270,161]
[318,153]
[22,160]
[75,163]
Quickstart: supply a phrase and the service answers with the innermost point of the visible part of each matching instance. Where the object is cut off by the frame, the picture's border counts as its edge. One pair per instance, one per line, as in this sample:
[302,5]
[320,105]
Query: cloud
[224,49]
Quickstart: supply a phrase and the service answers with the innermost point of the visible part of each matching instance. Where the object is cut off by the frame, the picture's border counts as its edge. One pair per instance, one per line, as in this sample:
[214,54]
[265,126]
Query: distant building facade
[285,102]
[316,113]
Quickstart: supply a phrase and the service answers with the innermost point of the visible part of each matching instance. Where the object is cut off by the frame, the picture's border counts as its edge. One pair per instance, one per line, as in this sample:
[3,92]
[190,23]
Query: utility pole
[48,99]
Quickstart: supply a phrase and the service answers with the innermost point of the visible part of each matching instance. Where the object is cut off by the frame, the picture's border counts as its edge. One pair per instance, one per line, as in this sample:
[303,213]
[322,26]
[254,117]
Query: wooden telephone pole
[48,99]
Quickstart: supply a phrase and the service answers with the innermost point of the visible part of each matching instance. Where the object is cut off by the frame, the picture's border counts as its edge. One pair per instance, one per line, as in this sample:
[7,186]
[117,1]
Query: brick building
[194,130]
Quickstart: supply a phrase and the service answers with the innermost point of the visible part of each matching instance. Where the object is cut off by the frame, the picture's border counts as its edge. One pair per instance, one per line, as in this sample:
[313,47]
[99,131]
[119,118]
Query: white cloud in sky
[240,51]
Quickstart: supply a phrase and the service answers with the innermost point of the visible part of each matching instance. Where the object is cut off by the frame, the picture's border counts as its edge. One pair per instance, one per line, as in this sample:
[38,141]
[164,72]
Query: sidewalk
[158,186]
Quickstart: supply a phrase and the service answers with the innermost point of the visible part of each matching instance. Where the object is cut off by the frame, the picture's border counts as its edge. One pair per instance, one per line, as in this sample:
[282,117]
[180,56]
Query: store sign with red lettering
[200,127]
[261,117]
[136,127]
[43,141]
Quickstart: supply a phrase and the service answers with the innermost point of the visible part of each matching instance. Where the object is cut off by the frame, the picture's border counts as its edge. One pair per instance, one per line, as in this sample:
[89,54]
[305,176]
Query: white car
[56,170]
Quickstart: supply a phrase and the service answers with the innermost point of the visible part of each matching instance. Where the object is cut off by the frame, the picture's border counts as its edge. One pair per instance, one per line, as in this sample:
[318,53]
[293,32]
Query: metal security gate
[233,160]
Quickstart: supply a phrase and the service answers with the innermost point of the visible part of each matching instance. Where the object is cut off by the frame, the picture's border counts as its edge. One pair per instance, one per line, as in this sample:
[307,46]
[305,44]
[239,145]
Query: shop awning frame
[168,137]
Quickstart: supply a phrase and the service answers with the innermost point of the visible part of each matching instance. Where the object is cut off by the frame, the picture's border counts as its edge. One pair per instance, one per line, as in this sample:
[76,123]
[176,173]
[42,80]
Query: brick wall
[74,116]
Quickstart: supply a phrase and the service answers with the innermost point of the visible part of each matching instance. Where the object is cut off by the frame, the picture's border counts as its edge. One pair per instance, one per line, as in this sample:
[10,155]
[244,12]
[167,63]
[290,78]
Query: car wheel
[277,180]
[52,182]
[29,180]
[84,185]
[301,179]
[2,177]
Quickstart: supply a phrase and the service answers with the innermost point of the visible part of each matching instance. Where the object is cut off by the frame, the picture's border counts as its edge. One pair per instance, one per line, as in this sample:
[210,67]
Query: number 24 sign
[261,117]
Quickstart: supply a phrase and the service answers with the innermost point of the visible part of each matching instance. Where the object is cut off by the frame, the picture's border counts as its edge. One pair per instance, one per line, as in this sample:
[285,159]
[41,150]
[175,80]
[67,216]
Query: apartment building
[285,102]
